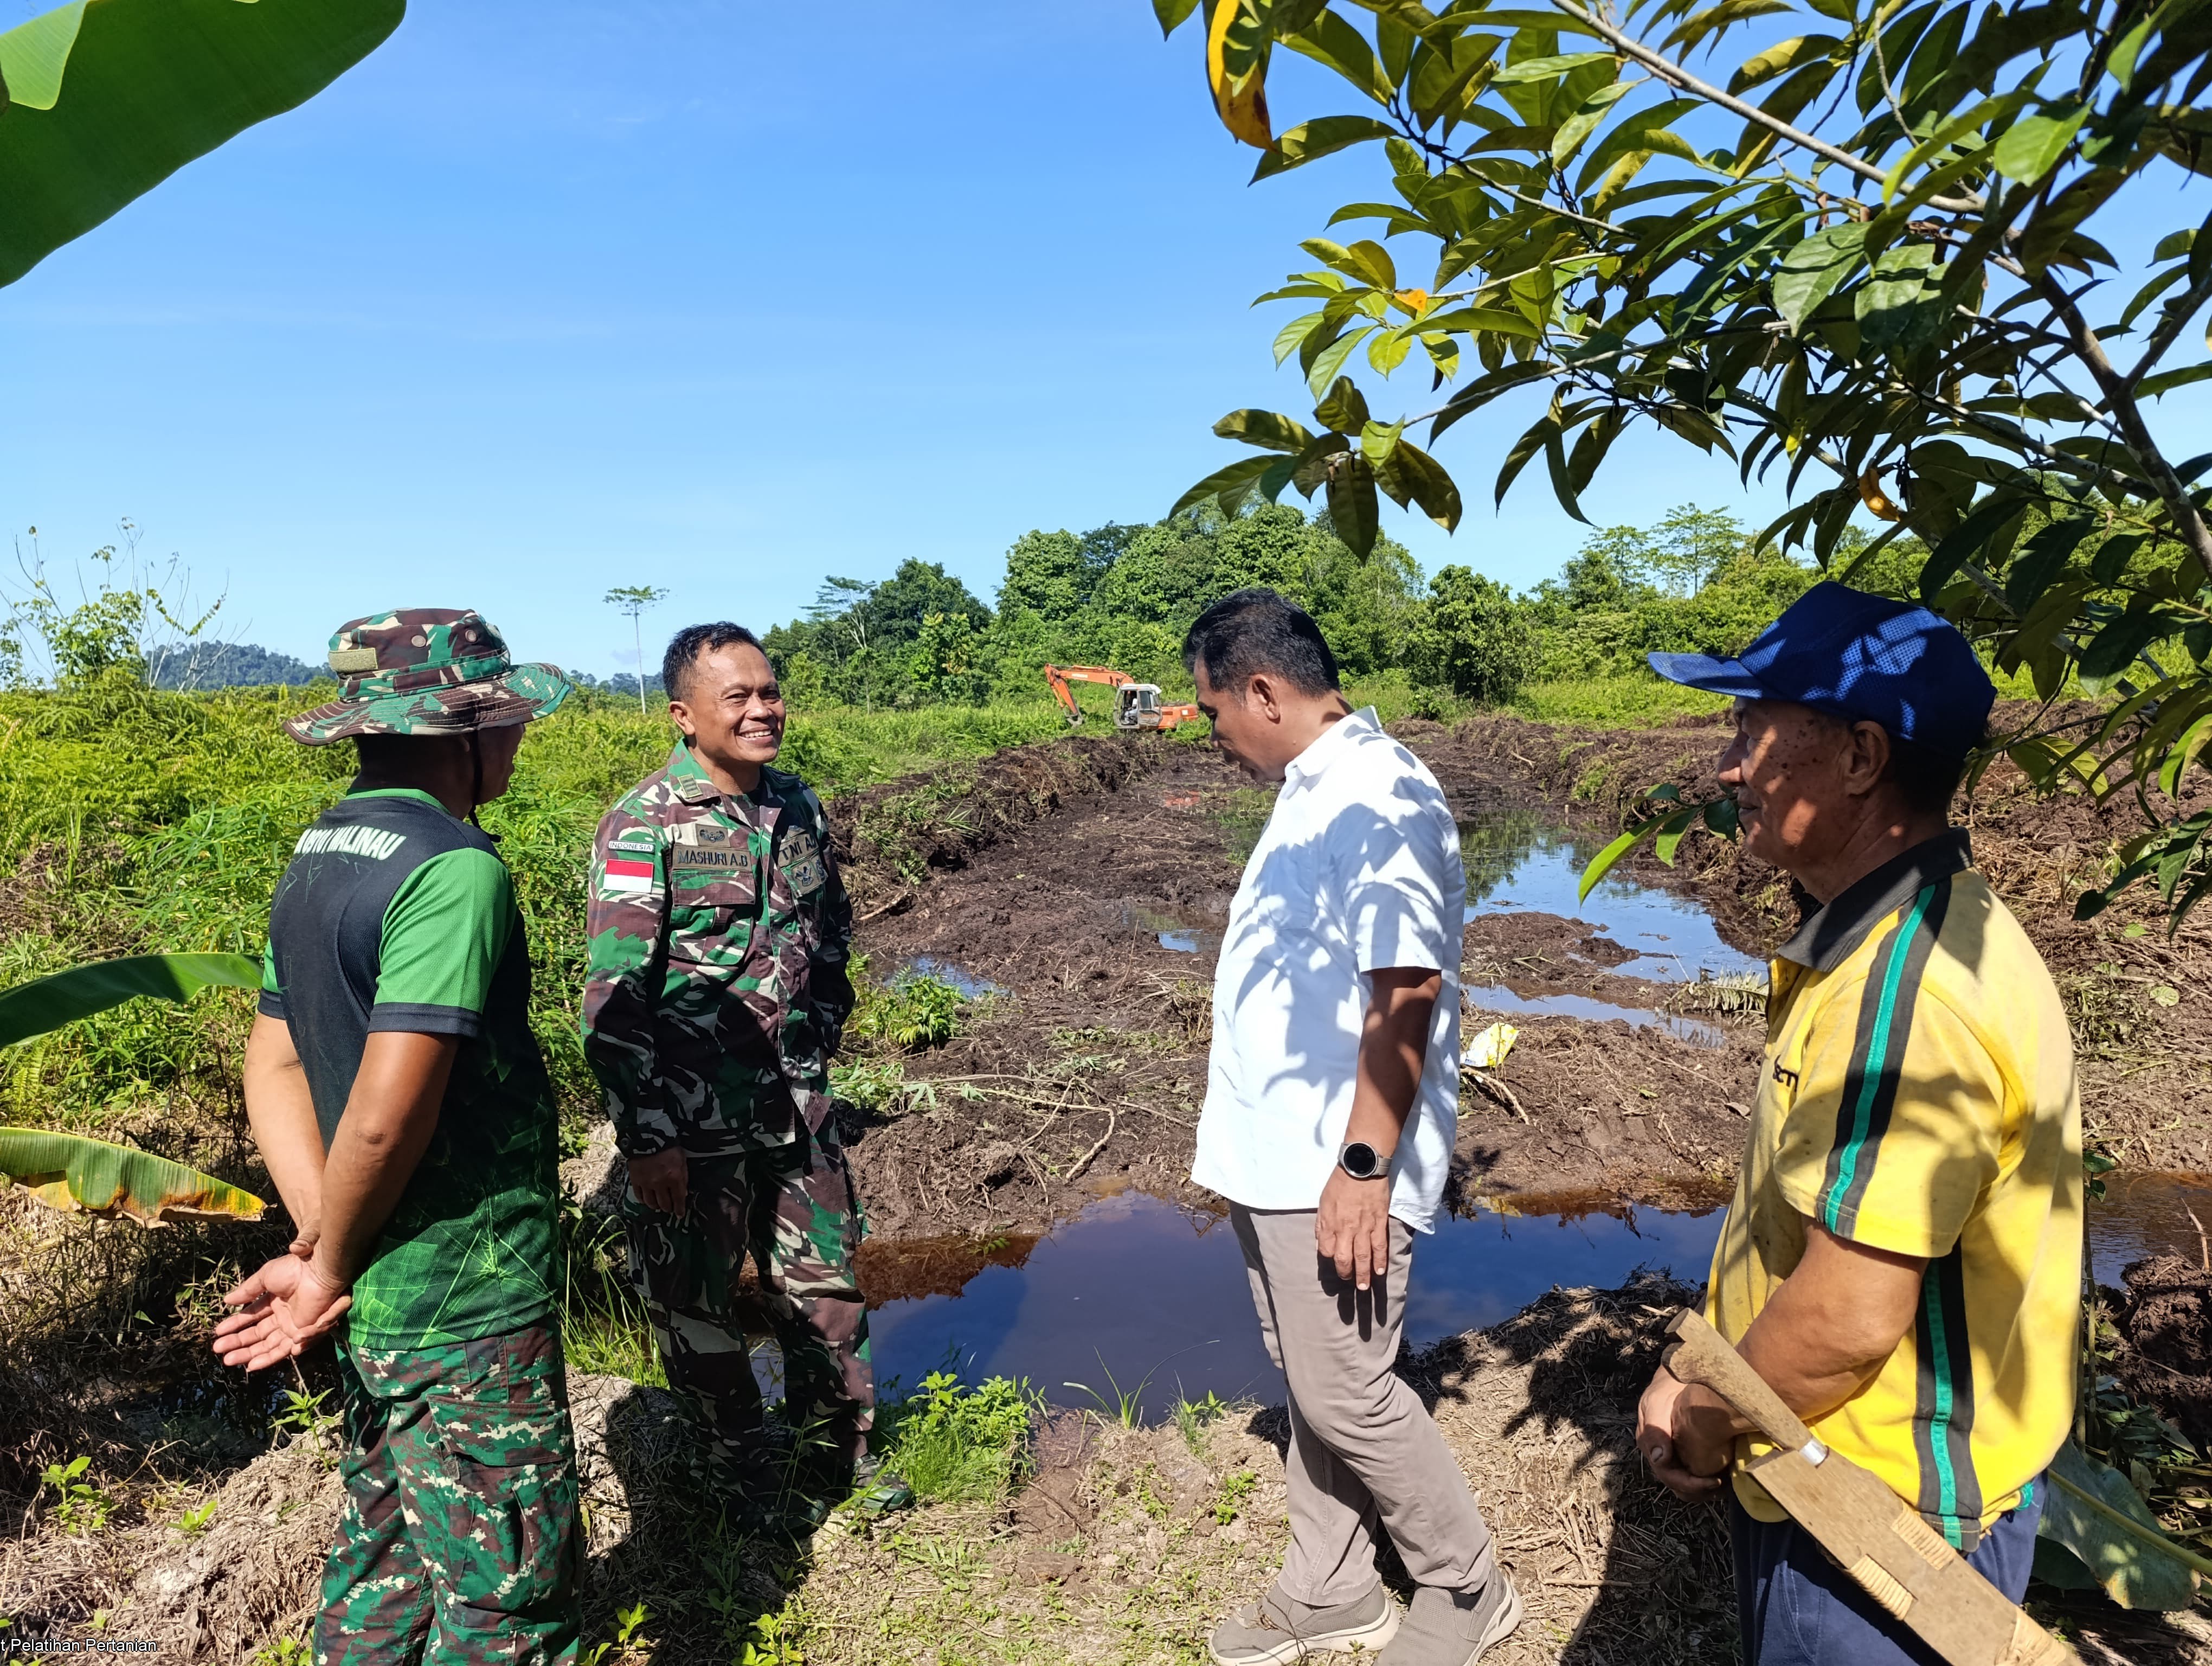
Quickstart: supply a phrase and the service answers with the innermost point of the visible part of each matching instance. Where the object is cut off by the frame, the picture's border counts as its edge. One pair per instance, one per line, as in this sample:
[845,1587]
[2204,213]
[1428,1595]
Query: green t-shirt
[395,916]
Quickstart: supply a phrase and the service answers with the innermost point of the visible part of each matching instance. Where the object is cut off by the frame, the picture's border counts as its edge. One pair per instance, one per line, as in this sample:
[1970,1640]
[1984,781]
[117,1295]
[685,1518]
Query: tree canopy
[1866,250]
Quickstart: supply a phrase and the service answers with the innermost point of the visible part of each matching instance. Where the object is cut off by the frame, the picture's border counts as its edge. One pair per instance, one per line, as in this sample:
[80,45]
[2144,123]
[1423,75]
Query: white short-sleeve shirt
[1357,870]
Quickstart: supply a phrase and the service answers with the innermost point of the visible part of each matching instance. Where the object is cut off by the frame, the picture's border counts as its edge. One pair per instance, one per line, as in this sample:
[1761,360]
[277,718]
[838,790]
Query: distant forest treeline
[203,665]
[1124,596]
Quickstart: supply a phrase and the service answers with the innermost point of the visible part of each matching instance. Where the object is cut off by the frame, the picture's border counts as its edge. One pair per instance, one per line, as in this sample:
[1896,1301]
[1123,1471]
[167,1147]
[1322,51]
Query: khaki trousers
[1364,1450]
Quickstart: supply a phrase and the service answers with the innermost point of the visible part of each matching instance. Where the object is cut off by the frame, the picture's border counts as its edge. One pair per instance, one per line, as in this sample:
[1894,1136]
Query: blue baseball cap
[1859,658]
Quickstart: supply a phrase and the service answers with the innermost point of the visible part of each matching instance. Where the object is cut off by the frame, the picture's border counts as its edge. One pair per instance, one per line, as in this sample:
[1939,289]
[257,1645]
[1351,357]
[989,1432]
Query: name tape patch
[376,843]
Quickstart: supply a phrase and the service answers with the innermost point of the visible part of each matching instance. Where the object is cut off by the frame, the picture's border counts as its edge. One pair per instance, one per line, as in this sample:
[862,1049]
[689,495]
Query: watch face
[1358,1160]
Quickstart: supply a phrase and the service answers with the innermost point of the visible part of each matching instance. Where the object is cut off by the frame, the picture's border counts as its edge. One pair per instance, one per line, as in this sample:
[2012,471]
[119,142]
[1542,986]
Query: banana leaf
[47,1003]
[106,99]
[67,1172]
[2095,1513]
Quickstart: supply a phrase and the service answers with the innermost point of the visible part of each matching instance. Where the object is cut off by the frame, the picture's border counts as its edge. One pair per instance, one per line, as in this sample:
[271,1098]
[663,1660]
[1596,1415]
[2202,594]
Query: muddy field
[1084,1066]
[1077,892]
[1120,1545]
[1093,1028]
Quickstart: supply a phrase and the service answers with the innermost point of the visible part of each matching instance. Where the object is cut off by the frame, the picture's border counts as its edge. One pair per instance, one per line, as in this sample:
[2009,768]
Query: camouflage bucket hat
[426,671]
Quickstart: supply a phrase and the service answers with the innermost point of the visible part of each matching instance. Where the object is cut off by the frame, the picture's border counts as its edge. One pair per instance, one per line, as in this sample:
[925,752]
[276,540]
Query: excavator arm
[1061,676]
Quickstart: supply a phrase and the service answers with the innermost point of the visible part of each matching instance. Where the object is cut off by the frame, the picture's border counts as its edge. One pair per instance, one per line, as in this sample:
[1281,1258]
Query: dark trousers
[1799,1608]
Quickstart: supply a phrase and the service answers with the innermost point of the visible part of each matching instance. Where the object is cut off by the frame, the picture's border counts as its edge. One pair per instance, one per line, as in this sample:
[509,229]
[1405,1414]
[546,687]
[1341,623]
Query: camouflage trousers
[459,1540]
[792,1210]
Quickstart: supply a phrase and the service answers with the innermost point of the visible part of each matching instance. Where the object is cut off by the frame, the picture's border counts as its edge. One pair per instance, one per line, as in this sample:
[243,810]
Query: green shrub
[959,1445]
[913,1011]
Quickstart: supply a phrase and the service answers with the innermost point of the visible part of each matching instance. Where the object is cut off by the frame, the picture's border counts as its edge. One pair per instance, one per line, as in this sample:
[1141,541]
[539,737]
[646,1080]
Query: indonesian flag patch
[627,874]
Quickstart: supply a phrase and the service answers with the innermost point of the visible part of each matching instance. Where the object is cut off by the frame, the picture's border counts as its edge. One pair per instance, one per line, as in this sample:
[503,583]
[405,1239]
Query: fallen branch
[1162,1115]
[1497,1091]
[899,901]
[1112,1120]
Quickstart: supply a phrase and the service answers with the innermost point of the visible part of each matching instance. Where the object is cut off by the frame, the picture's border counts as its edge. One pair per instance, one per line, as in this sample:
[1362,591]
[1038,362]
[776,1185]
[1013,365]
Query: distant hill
[229,665]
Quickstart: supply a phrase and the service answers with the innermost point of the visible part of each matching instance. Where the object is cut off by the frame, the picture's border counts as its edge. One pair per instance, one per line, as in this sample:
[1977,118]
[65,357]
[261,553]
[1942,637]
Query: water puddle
[1139,1297]
[1172,932]
[1518,861]
[1496,998]
[950,972]
[2148,1215]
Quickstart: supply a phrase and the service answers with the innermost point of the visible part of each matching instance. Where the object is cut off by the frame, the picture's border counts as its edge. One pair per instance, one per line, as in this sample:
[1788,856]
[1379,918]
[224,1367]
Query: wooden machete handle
[1699,1355]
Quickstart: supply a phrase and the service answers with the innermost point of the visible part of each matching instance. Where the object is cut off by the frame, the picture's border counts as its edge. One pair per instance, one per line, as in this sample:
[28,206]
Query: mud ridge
[889,838]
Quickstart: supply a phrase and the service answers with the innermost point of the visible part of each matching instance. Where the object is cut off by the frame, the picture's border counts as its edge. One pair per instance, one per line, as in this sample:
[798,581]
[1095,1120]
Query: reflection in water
[1173,931]
[1497,997]
[1136,1286]
[950,972]
[1519,861]
[2149,1214]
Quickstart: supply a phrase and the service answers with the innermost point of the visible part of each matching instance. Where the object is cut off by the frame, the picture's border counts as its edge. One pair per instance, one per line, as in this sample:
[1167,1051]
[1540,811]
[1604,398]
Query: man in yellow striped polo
[1902,1262]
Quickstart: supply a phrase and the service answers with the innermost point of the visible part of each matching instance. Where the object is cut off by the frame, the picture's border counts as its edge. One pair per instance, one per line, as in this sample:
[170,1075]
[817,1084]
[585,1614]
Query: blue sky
[544,299]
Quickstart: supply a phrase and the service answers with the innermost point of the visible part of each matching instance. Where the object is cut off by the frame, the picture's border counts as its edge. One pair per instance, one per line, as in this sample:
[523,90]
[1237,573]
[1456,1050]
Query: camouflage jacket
[717,988]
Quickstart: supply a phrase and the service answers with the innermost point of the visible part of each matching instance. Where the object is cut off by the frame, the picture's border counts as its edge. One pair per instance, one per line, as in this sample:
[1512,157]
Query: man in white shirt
[1331,1105]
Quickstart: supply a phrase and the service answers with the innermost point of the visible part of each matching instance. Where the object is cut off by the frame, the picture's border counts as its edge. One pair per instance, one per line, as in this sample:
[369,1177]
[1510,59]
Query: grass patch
[959,1445]
[1634,701]
[914,1011]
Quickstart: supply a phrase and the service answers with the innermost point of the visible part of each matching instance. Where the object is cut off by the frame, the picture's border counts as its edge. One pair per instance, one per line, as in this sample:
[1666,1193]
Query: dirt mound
[888,838]
[2167,1322]
[252,1574]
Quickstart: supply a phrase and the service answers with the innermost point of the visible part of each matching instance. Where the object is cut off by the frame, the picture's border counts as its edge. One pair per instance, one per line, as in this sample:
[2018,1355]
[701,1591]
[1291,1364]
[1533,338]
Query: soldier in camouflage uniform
[716,995]
[399,1097]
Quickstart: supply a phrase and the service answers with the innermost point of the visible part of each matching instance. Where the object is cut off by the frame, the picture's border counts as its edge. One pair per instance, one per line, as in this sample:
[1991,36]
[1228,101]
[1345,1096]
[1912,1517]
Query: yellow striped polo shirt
[1918,1095]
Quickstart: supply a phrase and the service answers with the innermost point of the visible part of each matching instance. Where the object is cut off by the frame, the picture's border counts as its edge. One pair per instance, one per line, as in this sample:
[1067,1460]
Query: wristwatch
[1361,1161]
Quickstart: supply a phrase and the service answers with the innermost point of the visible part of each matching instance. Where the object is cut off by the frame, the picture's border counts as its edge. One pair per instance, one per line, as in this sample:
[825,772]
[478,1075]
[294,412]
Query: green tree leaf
[2113,650]
[2096,1514]
[1379,440]
[1813,269]
[1352,507]
[34,56]
[1545,68]
[1240,477]
[1292,335]
[148,86]
[1330,360]
[2150,387]
[1270,429]
[1413,474]
[1469,319]
[2033,145]
[1172,13]
[1344,408]
[1322,137]
[1782,55]
[1330,41]
[47,1003]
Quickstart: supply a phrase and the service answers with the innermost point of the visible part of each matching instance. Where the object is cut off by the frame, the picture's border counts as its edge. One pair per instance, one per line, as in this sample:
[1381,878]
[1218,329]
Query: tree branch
[2187,525]
[2177,314]
[1676,75]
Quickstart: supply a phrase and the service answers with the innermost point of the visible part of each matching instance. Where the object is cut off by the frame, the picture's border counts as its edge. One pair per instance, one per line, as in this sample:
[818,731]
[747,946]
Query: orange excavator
[1136,705]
